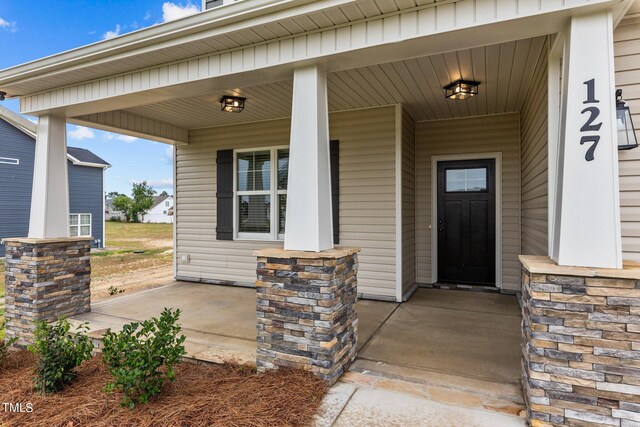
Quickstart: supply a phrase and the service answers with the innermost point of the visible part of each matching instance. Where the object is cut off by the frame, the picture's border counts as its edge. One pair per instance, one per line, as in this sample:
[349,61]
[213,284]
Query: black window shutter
[334,150]
[224,195]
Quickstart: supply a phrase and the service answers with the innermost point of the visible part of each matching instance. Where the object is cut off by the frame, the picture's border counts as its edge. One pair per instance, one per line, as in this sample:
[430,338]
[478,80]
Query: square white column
[309,225]
[586,212]
[50,196]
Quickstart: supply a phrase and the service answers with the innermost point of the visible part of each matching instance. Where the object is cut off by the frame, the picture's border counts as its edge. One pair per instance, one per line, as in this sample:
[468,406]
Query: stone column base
[46,279]
[306,310]
[581,344]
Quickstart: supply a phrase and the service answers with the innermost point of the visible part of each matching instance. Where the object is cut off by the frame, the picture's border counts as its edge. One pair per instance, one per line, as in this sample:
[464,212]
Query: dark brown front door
[466,222]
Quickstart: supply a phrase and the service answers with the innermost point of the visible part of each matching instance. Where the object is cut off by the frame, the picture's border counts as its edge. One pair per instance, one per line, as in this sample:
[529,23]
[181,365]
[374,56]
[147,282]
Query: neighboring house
[86,182]
[161,211]
[464,134]
[110,212]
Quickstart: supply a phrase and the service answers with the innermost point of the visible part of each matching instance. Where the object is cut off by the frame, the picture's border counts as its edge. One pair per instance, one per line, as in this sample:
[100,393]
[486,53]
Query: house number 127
[589,126]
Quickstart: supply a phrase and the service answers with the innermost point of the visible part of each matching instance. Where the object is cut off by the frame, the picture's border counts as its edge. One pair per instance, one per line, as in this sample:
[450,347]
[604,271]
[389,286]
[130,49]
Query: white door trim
[497,156]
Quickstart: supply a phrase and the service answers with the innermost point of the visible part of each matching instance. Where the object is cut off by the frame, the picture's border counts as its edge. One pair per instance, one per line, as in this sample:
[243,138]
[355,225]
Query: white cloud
[171,11]
[8,25]
[80,133]
[126,138]
[147,16]
[111,34]
[168,155]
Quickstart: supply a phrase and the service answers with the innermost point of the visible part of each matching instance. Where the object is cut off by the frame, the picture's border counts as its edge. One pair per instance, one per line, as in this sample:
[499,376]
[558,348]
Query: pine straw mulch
[222,395]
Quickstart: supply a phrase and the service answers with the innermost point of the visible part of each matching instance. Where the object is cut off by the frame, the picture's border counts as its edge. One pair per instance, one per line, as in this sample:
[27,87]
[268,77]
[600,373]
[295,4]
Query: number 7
[593,138]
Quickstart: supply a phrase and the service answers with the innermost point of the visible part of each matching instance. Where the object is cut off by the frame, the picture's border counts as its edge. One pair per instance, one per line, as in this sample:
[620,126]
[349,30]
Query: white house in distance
[161,211]
[476,143]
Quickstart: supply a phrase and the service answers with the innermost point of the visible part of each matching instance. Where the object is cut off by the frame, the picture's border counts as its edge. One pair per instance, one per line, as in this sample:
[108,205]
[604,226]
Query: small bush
[115,219]
[113,290]
[59,353]
[142,357]
[5,345]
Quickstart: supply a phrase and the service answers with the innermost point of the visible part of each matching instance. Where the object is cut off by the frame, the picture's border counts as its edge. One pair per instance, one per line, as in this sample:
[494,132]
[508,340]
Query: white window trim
[9,161]
[79,215]
[274,235]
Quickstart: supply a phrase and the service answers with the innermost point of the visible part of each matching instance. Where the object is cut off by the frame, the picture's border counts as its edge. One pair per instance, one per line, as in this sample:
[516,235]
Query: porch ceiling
[504,71]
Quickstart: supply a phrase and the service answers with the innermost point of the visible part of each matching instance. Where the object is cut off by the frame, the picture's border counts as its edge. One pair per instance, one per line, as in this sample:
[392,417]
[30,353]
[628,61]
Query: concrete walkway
[445,358]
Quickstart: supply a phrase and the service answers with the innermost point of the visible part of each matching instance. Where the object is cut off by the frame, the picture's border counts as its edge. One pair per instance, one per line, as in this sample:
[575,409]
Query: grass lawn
[156,240]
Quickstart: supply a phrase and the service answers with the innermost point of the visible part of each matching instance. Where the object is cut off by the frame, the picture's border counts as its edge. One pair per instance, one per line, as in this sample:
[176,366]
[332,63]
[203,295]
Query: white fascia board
[222,20]
[88,164]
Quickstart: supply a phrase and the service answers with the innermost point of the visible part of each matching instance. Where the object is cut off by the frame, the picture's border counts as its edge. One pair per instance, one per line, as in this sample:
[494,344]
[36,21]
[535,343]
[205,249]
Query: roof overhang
[215,22]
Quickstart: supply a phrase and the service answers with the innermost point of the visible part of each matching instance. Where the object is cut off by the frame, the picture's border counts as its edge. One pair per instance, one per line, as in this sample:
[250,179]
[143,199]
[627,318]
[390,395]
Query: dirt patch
[220,395]
[133,281]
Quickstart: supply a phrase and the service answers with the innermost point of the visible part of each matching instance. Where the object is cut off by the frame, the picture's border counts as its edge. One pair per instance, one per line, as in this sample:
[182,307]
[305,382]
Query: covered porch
[334,173]
[459,348]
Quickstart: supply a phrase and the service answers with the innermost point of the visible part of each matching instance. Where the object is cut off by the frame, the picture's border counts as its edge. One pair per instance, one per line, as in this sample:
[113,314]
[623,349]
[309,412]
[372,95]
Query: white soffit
[504,71]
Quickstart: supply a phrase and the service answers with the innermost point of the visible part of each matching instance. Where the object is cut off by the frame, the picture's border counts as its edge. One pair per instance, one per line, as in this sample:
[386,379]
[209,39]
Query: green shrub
[142,357]
[5,344]
[59,353]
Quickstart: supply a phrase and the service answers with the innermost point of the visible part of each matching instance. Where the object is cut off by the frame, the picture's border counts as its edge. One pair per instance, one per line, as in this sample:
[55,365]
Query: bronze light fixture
[232,104]
[461,89]
[627,139]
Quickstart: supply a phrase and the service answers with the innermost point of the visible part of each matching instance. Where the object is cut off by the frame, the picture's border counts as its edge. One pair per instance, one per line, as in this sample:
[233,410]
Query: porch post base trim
[306,310]
[46,279]
[580,335]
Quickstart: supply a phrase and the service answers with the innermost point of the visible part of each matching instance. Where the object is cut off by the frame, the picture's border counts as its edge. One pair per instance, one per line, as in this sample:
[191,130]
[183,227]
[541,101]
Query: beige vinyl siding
[367,197]
[483,134]
[408,202]
[534,157]
[627,57]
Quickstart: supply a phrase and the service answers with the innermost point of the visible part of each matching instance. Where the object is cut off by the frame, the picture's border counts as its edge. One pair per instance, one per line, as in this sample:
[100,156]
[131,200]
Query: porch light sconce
[3,96]
[627,139]
[232,104]
[461,89]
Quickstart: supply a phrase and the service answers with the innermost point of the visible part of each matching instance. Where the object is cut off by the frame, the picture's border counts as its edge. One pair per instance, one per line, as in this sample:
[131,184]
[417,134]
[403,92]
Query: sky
[33,29]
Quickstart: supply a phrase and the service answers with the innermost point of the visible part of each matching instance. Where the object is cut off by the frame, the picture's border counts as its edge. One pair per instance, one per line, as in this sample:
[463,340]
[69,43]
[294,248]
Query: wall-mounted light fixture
[627,139]
[461,89]
[232,104]
[3,96]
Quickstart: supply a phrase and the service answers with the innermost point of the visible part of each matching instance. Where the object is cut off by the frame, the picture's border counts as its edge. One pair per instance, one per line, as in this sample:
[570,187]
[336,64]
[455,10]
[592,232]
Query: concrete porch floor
[440,348]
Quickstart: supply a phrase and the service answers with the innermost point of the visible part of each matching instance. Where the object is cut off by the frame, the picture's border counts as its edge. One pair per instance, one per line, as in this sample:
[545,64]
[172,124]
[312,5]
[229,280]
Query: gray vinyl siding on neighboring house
[482,134]
[408,202]
[15,182]
[367,198]
[534,158]
[85,196]
[85,186]
[627,60]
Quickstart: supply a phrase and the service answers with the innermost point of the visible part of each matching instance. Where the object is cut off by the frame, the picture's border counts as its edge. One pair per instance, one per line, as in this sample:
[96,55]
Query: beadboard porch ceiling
[504,71]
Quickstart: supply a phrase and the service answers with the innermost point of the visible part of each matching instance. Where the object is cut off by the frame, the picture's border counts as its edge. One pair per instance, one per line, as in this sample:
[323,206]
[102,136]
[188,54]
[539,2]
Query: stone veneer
[46,279]
[581,344]
[306,310]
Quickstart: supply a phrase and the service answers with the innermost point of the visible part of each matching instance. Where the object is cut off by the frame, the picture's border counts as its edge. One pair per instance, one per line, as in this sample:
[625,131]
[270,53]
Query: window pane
[282,211]
[283,169]
[466,180]
[85,219]
[254,171]
[73,231]
[85,230]
[254,214]
[73,219]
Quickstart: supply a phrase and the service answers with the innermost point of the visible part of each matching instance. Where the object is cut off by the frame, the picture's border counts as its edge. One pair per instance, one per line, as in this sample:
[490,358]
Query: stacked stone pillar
[46,279]
[306,310]
[581,344]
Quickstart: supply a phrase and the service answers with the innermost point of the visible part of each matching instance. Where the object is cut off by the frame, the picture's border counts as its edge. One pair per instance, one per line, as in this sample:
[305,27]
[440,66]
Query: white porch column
[50,196]
[309,224]
[586,229]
